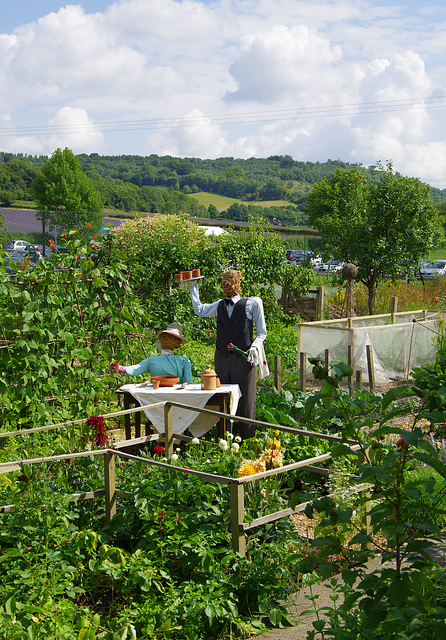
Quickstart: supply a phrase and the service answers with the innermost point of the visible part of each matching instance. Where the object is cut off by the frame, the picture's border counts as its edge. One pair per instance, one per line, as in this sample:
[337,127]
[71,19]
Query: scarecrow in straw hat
[167,363]
[236,318]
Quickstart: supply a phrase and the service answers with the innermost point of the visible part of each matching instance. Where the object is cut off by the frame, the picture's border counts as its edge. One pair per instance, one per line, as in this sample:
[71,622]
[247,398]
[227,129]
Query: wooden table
[224,400]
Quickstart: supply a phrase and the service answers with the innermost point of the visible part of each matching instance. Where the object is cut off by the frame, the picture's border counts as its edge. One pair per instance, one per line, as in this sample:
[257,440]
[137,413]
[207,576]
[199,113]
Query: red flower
[436,300]
[402,444]
[94,237]
[101,436]
[185,467]
[158,449]
[88,225]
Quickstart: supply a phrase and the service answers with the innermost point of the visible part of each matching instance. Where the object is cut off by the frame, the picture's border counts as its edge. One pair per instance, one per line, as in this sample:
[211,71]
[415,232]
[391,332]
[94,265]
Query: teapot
[208,379]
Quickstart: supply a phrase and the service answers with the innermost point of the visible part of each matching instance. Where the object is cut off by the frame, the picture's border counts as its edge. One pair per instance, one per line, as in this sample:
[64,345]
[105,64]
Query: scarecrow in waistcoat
[236,318]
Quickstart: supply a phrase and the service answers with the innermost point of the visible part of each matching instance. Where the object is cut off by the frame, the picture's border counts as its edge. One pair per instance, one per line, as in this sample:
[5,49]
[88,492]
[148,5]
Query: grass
[411,295]
[223,202]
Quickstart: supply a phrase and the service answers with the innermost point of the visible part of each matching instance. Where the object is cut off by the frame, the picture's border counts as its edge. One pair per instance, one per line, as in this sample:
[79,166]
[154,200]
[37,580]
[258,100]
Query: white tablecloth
[198,423]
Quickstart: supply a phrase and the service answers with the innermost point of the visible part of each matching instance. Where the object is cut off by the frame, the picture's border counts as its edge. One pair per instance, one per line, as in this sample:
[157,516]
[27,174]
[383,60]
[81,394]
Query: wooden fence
[236,485]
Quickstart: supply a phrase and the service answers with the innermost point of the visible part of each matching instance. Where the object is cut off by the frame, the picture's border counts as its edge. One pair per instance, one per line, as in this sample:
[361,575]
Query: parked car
[433,269]
[14,257]
[298,255]
[16,245]
[330,267]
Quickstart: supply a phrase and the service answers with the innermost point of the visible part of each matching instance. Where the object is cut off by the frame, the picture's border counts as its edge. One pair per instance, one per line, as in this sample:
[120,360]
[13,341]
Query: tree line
[166,184]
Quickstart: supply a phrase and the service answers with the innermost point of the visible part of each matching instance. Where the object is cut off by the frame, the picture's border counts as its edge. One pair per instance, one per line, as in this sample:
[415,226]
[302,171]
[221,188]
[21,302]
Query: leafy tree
[384,227]
[66,195]
[213,211]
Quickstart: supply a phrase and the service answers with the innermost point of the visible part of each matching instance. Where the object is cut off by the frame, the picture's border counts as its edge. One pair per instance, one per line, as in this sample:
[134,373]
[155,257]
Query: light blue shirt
[166,364]
[254,310]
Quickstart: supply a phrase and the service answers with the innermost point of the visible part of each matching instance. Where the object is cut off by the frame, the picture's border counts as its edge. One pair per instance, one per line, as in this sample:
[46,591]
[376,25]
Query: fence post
[352,363]
[168,430]
[278,373]
[237,517]
[320,303]
[303,371]
[110,486]
[370,366]
[327,357]
[393,308]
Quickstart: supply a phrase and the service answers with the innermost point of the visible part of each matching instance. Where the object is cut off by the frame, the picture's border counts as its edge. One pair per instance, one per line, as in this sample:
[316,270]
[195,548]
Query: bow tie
[229,301]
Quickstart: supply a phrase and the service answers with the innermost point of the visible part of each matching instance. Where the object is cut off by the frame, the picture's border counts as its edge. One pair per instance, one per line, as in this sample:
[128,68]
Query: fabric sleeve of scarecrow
[202,309]
[142,367]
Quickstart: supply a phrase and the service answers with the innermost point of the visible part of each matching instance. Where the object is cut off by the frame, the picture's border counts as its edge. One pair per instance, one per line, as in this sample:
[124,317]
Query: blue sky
[356,80]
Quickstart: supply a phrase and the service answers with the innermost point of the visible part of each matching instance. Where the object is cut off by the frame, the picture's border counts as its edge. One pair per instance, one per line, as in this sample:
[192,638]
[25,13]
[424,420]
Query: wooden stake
[370,366]
[110,486]
[168,430]
[303,371]
[237,517]
[278,373]
[320,303]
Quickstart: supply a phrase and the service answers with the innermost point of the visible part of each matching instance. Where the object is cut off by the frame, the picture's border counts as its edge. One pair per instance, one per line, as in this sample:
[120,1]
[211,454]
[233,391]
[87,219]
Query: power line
[248,117]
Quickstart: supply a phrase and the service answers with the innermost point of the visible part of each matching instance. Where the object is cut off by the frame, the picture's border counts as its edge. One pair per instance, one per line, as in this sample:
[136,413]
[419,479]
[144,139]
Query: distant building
[212,231]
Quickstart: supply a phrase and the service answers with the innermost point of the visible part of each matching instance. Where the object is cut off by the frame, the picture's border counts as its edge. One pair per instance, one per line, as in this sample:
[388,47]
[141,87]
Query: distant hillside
[231,188]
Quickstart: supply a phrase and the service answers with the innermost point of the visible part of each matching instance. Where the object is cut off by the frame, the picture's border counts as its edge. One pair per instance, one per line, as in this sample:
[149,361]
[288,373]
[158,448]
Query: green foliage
[384,227]
[66,195]
[406,598]
[60,323]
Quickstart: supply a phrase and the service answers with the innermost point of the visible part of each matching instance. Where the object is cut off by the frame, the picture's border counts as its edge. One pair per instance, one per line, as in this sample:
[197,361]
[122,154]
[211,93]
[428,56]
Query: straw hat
[174,329]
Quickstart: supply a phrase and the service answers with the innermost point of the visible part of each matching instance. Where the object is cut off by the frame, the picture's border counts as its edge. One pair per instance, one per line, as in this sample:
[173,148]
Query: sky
[361,81]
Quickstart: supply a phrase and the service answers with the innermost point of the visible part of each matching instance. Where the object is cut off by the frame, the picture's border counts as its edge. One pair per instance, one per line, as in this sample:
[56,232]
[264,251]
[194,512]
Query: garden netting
[399,342]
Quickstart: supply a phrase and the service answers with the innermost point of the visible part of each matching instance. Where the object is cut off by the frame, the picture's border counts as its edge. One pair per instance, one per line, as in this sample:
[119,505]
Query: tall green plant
[60,322]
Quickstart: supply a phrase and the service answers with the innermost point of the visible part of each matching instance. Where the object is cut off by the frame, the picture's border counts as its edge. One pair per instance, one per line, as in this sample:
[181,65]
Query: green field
[222,202]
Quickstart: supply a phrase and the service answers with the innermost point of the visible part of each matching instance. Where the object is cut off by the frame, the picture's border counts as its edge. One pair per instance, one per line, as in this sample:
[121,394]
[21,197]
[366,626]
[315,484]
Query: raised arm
[201,309]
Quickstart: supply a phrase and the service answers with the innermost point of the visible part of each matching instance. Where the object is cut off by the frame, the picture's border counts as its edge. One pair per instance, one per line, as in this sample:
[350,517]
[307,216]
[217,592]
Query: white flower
[195,441]
[235,446]
[238,439]
[223,445]
[174,457]
[229,435]
[178,450]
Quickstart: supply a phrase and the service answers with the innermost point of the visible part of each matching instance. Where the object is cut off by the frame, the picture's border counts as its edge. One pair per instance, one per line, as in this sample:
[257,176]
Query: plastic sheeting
[399,341]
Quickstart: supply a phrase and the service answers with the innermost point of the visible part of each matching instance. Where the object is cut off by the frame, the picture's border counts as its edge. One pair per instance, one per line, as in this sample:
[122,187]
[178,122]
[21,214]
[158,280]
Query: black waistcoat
[237,329]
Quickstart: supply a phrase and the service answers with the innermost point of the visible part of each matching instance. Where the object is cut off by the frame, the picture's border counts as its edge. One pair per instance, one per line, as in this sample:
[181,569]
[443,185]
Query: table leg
[222,426]
[127,419]
[138,424]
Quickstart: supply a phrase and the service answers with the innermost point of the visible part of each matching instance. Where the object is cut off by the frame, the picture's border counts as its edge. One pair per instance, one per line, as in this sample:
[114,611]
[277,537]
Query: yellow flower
[249,467]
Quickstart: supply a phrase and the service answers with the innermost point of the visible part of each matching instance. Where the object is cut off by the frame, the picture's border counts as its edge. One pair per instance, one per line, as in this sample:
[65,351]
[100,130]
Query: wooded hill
[167,184]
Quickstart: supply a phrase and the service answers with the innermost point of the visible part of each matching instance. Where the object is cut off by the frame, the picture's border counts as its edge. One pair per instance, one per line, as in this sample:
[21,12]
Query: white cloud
[282,61]
[199,138]
[316,80]
[73,128]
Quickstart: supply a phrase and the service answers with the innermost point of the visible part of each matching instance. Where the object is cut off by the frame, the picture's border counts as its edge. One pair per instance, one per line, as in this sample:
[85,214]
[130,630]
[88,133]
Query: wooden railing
[236,485]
